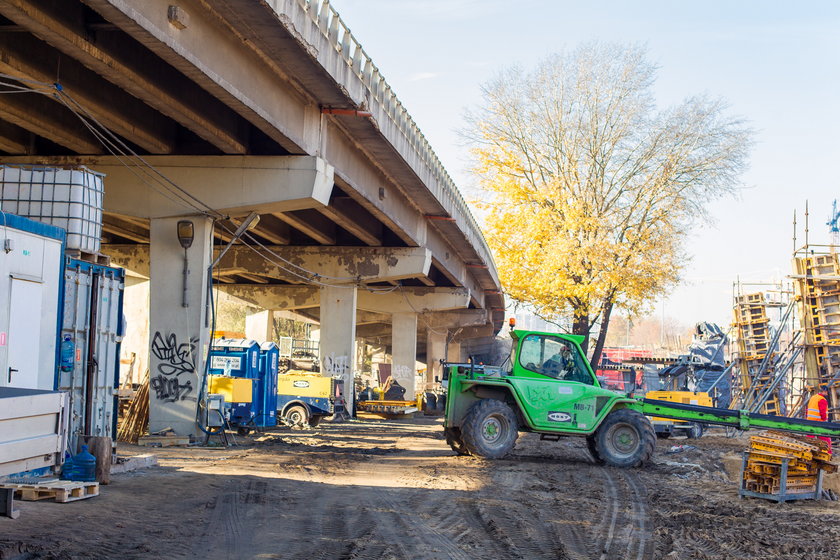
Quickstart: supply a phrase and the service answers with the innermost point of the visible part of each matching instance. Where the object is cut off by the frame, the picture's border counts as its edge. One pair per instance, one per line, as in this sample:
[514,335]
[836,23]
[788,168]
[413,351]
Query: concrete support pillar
[453,352]
[134,350]
[338,336]
[404,351]
[259,326]
[178,334]
[435,352]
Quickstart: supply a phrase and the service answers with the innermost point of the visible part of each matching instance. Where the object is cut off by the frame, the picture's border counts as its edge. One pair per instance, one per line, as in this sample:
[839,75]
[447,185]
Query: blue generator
[239,357]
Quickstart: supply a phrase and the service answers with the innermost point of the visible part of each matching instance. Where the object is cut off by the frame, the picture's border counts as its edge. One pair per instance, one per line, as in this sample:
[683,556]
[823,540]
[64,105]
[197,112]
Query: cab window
[553,357]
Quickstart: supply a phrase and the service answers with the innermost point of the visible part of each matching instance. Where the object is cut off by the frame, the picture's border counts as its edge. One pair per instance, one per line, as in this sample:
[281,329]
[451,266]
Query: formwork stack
[818,293]
[783,467]
[753,334]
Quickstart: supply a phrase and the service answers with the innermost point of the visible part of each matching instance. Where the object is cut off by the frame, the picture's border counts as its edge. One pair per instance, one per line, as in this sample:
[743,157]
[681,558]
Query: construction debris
[782,467]
[163,441]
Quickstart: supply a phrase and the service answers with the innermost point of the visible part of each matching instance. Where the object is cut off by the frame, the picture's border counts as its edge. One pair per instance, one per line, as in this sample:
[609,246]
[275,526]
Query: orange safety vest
[813,412]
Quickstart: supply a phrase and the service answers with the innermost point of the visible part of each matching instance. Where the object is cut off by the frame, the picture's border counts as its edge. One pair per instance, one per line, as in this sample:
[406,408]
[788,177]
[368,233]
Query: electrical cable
[121,151]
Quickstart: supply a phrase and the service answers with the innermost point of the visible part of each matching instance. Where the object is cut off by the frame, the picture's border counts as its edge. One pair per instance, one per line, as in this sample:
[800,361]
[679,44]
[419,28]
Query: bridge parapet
[405,136]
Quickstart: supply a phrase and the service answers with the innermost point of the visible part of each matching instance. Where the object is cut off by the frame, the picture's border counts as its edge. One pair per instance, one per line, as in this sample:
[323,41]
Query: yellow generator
[304,397]
[665,427]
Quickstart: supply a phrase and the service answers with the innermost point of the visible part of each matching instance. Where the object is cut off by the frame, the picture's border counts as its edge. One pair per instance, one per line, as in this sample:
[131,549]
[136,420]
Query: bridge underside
[208,110]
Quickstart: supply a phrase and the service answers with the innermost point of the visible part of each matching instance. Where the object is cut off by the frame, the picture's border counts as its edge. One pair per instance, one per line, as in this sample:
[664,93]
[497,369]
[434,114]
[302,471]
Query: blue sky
[776,63]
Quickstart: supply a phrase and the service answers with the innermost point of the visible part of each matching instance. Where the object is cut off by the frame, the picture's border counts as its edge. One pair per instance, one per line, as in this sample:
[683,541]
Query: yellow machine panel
[684,397]
[304,384]
[235,389]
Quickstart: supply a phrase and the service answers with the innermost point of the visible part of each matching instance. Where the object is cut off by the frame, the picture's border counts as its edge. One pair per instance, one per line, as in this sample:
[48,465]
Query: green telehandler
[547,386]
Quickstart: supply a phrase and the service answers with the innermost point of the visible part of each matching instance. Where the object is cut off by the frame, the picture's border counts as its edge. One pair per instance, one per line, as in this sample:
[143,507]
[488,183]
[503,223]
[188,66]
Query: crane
[834,223]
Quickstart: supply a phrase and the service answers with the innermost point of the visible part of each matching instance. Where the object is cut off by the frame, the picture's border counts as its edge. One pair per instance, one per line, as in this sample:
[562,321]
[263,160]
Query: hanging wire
[166,187]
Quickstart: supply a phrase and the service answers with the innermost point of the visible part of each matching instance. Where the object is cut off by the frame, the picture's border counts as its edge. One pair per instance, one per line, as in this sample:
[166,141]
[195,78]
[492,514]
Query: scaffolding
[755,354]
[817,281]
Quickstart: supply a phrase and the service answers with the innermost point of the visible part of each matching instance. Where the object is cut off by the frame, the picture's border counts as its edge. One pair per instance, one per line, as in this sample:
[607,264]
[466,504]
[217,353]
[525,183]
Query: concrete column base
[435,352]
[404,351]
[338,337]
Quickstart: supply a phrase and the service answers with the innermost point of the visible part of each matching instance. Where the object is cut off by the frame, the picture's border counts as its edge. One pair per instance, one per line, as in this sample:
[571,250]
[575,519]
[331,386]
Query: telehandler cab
[546,386]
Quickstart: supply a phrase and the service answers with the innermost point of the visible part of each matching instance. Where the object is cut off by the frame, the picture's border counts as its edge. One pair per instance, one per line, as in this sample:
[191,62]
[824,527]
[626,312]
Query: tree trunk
[580,325]
[602,334]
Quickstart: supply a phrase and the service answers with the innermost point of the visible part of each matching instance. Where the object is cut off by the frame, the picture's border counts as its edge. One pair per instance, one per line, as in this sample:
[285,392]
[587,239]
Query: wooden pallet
[163,441]
[96,258]
[62,491]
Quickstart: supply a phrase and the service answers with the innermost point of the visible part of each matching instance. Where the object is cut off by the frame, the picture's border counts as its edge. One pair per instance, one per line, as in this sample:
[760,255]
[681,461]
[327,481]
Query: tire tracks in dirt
[628,533]
[618,528]
[226,531]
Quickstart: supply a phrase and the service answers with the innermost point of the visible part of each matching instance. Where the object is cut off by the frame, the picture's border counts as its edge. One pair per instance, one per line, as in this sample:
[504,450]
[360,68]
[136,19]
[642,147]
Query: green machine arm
[741,419]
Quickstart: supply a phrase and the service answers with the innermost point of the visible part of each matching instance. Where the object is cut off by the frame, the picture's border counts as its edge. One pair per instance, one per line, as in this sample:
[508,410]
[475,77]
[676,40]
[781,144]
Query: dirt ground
[394,490]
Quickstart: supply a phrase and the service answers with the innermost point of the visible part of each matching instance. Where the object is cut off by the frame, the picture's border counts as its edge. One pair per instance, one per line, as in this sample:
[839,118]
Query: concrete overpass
[218,108]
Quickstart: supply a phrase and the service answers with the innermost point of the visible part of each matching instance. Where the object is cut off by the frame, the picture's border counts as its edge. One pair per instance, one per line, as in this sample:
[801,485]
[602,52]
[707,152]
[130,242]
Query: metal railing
[338,34]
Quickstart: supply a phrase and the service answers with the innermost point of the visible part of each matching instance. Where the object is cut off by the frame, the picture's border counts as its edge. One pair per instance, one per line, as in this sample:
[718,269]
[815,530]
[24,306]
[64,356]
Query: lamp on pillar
[186,234]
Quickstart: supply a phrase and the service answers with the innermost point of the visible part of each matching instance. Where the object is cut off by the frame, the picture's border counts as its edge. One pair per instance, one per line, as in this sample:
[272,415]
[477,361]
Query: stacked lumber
[783,463]
[136,419]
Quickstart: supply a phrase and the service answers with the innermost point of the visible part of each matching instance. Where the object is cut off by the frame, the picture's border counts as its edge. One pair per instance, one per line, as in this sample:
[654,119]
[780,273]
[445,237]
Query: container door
[24,334]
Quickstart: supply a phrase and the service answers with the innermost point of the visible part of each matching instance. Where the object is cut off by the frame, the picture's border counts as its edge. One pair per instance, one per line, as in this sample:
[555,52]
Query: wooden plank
[163,441]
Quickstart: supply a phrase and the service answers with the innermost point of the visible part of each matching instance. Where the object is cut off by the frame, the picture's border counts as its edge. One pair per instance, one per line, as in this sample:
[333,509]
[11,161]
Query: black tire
[489,429]
[625,439]
[592,445]
[695,431]
[296,415]
[243,431]
[453,439]
[314,421]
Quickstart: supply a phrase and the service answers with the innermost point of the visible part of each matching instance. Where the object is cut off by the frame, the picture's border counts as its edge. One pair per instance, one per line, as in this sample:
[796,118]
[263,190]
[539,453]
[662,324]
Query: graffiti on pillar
[173,361]
[170,389]
[402,373]
[336,365]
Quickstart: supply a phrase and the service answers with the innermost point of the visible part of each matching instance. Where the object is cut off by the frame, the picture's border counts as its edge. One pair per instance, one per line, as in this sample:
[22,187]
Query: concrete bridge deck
[212,109]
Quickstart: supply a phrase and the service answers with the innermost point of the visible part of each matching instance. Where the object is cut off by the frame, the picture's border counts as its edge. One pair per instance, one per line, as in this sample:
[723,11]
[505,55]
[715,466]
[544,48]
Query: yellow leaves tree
[590,191]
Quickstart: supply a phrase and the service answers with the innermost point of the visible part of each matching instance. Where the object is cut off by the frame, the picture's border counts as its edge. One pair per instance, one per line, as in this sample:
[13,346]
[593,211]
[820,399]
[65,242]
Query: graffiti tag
[170,389]
[336,365]
[402,372]
[175,358]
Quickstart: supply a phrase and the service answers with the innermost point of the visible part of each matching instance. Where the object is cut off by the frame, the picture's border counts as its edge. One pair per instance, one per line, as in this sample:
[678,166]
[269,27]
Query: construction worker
[818,411]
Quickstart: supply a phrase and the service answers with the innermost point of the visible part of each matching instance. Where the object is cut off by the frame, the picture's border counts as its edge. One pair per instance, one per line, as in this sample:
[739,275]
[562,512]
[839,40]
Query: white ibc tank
[68,198]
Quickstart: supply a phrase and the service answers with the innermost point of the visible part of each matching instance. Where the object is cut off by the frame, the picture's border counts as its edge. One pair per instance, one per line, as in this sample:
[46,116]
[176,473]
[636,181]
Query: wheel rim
[295,417]
[493,428]
[623,440]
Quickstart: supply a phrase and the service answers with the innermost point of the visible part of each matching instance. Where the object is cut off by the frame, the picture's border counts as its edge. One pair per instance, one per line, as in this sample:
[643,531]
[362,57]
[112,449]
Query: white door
[24,335]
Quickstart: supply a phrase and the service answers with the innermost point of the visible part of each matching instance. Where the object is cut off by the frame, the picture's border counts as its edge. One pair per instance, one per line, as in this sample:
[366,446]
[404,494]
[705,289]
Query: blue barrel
[68,470]
[84,466]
